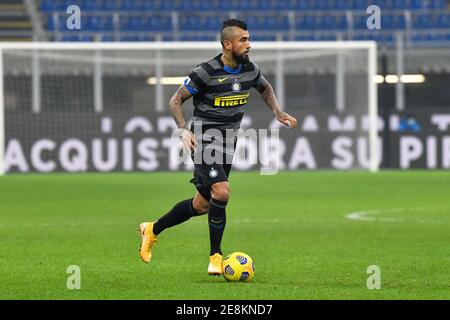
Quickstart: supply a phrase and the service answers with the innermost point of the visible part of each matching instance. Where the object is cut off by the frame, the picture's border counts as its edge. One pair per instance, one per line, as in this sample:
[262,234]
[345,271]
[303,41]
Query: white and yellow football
[238,266]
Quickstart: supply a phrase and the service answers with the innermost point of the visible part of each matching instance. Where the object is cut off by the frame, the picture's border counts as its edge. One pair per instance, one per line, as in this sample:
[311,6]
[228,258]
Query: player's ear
[227,44]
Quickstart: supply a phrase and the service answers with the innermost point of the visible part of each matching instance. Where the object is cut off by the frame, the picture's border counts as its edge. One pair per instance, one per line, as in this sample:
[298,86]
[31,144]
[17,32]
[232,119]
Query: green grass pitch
[292,224]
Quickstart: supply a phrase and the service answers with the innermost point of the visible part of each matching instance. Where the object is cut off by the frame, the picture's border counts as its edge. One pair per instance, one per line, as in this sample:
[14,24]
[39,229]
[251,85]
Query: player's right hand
[188,139]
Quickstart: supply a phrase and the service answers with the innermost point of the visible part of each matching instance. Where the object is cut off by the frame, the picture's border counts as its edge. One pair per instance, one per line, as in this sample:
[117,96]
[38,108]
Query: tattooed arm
[176,107]
[268,95]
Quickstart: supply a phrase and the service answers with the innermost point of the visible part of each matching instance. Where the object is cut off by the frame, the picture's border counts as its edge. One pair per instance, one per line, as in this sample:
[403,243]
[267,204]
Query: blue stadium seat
[105,5]
[417,37]
[47,6]
[276,23]
[167,37]
[325,37]
[437,37]
[137,38]
[142,23]
[263,37]
[425,21]
[324,5]
[99,23]
[267,22]
[150,6]
[399,4]
[305,5]
[345,5]
[375,36]
[255,22]
[262,16]
[444,21]
[193,6]
[132,5]
[270,5]
[263,5]
[306,22]
[50,23]
[197,37]
[393,21]
[77,38]
[421,38]
[308,37]
[428,4]
[200,22]
[331,22]
[85,5]
[159,23]
[106,38]
[315,37]
[132,23]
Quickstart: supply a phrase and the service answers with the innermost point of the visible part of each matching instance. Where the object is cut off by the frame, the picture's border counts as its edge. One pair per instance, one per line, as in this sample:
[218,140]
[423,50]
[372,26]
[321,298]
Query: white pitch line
[367,215]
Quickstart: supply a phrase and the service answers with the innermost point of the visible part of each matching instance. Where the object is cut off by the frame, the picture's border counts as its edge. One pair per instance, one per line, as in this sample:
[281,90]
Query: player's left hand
[287,120]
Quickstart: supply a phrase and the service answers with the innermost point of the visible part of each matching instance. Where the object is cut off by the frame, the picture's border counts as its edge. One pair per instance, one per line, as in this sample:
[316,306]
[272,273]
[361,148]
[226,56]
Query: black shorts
[205,175]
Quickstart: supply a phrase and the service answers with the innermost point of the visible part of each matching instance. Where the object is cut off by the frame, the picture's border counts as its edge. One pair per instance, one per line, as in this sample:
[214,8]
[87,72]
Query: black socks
[184,210]
[217,220]
[180,212]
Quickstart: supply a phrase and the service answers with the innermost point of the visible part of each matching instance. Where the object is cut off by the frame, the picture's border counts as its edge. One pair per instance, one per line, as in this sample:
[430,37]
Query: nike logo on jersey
[222,79]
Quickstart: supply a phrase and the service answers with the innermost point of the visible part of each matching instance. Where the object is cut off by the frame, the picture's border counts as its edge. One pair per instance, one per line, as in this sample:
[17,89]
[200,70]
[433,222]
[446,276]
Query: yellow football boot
[215,265]
[148,240]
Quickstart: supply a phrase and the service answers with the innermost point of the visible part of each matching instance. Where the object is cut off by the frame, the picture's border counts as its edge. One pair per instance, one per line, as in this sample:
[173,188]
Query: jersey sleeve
[259,79]
[196,81]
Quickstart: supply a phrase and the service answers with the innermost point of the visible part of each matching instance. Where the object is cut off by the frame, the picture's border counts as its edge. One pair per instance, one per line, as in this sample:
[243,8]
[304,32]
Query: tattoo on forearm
[269,97]
[176,106]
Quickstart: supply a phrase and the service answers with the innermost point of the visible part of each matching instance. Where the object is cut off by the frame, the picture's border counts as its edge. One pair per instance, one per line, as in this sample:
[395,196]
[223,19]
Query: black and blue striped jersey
[220,93]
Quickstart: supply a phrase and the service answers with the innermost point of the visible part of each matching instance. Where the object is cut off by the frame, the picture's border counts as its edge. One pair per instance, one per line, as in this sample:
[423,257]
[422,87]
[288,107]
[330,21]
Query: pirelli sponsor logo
[231,101]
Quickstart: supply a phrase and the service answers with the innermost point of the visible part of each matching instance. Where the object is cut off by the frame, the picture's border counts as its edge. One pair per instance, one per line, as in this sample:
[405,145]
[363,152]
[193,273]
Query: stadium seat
[77,38]
[344,5]
[200,22]
[444,21]
[99,23]
[132,5]
[331,22]
[137,38]
[263,37]
[106,38]
[308,37]
[47,6]
[255,22]
[265,17]
[307,22]
[276,23]
[396,21]
[425,21]
[197,37]
[384,37]
[50,23]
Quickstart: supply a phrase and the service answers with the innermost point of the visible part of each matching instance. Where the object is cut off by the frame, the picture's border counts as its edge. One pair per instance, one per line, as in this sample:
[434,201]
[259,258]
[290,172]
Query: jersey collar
[228,69]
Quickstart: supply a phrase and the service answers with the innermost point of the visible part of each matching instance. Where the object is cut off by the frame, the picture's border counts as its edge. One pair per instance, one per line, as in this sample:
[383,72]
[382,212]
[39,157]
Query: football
[238,266]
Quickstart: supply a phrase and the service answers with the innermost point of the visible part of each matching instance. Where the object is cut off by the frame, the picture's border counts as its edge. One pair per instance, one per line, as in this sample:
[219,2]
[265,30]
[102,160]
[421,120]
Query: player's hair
[231,23]
[234,23]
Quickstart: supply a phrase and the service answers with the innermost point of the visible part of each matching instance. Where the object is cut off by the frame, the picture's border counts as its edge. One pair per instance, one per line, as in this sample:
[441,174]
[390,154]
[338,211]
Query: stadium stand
[15,23]
[421,21]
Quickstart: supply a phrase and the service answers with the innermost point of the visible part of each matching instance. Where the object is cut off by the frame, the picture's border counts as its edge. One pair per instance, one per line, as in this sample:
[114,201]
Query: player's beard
[241,59]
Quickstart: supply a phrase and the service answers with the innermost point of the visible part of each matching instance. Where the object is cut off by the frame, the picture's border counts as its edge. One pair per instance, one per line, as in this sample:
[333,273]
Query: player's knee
[200,208]
[221,191]
[200,205]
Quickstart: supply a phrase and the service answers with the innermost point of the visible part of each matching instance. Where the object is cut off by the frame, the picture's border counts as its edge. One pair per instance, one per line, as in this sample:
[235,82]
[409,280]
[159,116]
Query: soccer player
[220,88]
